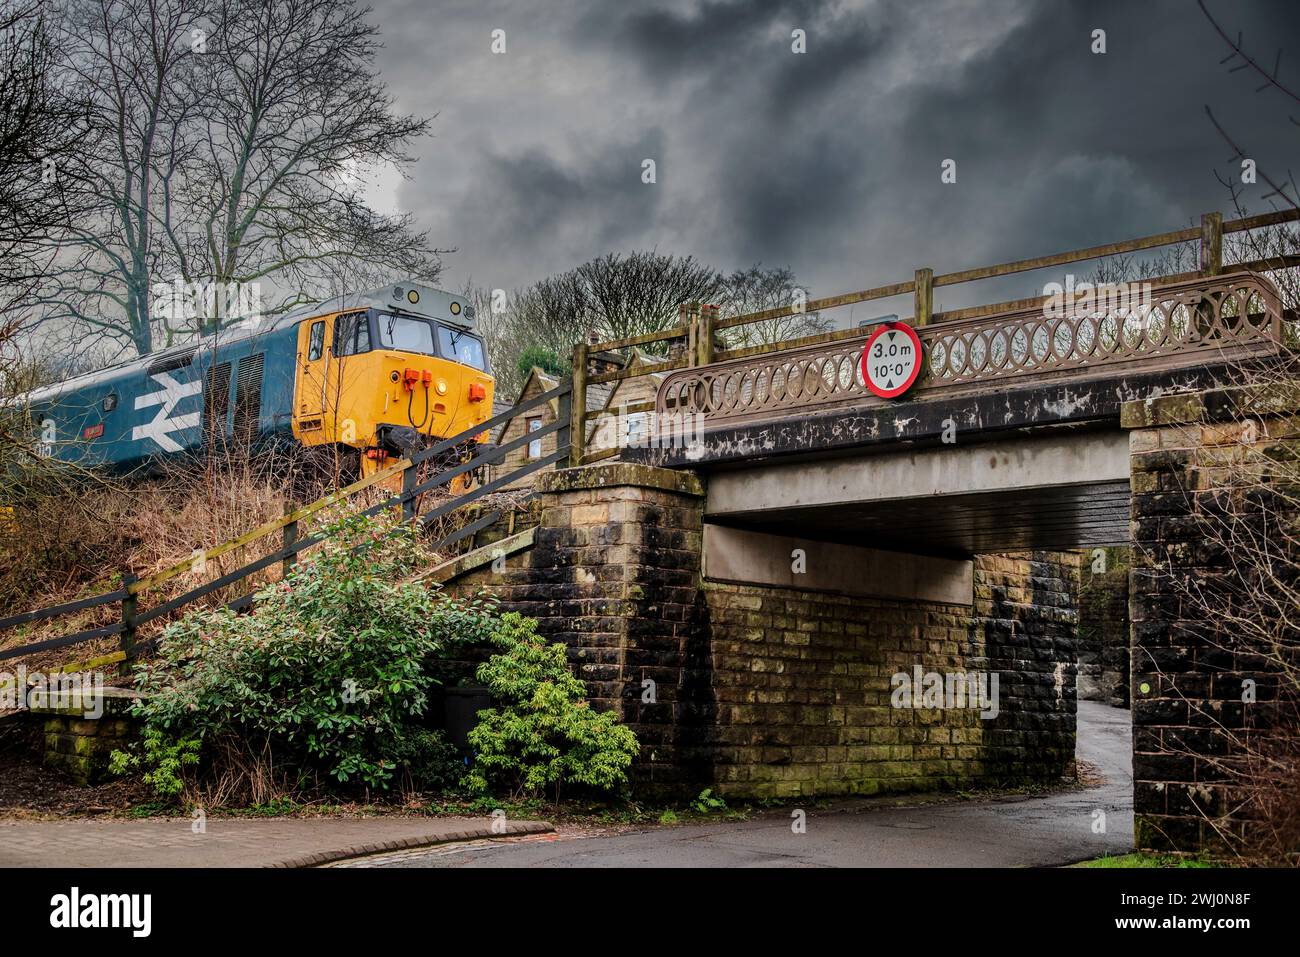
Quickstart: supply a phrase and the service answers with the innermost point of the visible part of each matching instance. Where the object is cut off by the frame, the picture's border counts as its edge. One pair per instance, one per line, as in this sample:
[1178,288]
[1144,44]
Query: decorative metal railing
[1181,324]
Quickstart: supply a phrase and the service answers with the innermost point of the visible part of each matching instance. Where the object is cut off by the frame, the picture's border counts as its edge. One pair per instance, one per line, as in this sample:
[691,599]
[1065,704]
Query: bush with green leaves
[433,764]
[165,758]
[328,676]
[543,735]
[542,358]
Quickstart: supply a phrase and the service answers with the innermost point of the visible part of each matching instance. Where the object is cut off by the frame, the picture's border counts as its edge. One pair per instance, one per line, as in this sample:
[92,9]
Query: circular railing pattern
[1188,319]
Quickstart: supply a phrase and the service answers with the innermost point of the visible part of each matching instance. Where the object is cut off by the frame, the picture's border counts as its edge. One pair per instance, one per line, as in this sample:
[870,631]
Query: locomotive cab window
[406,334]
[316,347]
[351,334]
[461,347]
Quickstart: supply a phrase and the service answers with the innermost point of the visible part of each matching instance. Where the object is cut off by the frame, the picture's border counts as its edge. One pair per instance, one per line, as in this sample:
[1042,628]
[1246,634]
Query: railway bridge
[789,585]
[798,573]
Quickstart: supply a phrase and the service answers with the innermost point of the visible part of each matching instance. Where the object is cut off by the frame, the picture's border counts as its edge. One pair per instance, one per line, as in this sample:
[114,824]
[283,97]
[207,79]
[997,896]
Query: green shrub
[707,802]
[432,763]
[326,676]
[543,734]
[163,757]
[543,358]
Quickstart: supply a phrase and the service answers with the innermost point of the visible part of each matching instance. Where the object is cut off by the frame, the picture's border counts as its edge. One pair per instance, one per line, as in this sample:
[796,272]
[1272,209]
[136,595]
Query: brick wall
[614,574]
[1104,626]
[802,686]
[1025,622]
[1194,657]
[79,746]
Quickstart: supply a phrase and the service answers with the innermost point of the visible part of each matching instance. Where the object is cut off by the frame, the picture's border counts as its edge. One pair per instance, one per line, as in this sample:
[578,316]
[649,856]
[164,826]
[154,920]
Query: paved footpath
[232,842]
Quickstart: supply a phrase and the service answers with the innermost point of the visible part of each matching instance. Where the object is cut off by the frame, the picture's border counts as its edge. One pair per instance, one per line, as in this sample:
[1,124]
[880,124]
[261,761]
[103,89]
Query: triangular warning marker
[889,384]
[891,335]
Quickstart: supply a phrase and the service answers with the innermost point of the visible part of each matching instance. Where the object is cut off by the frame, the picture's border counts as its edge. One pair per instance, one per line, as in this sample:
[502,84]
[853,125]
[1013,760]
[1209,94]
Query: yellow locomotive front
[399,368]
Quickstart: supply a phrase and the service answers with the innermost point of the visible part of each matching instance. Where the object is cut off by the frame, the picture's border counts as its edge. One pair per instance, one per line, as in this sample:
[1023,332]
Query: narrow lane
[1006,832]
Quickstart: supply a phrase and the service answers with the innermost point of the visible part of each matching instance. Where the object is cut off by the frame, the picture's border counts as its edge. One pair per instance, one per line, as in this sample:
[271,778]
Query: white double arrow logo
[171,393]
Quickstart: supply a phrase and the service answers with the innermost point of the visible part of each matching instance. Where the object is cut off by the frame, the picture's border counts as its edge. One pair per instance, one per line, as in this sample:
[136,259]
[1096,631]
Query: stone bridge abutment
[757,685]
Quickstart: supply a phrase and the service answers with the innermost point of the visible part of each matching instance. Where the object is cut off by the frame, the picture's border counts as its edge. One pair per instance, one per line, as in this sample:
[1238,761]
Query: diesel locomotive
[374,376]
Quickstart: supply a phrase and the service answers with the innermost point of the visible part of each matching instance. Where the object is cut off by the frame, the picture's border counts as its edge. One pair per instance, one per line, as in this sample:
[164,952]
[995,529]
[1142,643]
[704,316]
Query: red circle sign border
[916,369]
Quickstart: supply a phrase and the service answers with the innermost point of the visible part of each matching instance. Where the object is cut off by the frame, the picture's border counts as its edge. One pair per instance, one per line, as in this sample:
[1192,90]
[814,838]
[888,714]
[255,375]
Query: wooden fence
[131,616]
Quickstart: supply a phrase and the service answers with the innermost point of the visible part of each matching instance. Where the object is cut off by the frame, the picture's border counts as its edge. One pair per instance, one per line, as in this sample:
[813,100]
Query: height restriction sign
[891,360]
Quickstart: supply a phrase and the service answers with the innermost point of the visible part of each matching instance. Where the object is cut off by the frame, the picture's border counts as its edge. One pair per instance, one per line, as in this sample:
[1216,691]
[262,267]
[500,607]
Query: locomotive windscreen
[406,334]
[461,347]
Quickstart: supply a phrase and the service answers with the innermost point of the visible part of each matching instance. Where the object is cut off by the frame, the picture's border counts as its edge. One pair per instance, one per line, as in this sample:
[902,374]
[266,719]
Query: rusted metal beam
[985,354]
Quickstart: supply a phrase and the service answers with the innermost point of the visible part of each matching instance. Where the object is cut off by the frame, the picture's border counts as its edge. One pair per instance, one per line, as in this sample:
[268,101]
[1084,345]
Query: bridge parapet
[1185,324]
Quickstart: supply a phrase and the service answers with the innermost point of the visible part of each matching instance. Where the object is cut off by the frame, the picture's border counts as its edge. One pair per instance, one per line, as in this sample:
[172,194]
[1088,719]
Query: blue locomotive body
[127,417]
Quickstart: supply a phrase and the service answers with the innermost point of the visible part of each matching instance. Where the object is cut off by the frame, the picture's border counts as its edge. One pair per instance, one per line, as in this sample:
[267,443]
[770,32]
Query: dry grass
[72,538]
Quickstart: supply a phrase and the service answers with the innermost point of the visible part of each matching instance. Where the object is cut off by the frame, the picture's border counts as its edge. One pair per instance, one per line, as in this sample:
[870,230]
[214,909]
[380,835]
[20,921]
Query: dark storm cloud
[535,195]
[827,161]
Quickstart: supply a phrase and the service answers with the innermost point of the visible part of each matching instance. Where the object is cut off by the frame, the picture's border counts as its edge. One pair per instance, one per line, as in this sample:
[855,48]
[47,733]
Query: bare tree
[625,296]
[758,290]
[1236,581]
[297,119]
[39,128]
[1240,609]
[611,297]
[228,143]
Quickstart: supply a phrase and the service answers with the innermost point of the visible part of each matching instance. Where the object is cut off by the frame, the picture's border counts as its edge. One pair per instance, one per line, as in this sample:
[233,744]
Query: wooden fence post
[288,539]
[564,435]
[578,406]
[1211,244]
[410,474]
[130,606]
[923,297]
[704,335]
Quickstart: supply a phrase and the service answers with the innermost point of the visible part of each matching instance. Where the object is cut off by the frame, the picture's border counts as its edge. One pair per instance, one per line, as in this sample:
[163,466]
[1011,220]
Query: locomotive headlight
[442,387]
[455,309]
[413,297]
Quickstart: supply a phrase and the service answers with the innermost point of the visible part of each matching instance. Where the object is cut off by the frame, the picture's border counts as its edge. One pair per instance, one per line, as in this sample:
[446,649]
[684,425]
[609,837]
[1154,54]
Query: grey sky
[827,161]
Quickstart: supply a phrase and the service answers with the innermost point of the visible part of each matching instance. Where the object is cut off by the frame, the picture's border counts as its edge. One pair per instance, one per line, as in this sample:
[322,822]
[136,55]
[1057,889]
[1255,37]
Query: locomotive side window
[351,334]
[317,345]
